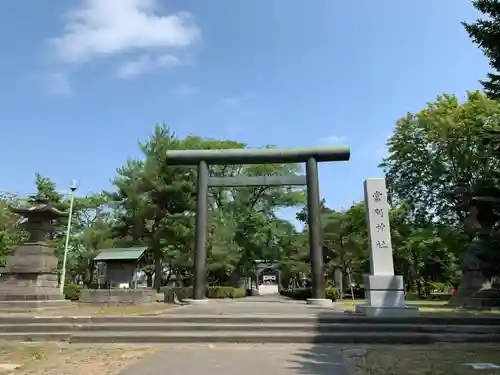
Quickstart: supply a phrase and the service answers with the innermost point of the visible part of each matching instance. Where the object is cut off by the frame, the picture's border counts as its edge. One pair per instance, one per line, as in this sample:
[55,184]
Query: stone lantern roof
[40,216]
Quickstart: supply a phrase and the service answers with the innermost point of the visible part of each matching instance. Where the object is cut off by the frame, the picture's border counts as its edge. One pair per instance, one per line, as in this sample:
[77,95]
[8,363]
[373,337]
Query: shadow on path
[319,359]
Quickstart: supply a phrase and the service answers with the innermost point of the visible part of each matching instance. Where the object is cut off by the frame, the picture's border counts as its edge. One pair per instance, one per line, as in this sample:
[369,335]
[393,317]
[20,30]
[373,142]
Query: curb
[265,338]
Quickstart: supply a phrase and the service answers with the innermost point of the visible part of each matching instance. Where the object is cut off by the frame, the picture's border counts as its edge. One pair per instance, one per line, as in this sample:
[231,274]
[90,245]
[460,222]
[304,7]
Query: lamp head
[74,185]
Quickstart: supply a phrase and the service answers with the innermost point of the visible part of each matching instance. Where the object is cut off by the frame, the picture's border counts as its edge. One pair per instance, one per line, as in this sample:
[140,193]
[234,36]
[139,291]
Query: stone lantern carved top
[482,208]
[40,216]
[38,205]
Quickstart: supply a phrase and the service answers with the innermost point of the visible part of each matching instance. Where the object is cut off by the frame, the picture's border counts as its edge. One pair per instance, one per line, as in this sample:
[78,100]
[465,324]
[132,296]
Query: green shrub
[225,292]
[72,292]
[437,287]
[181,292]
[239,292]
[219,292]
[412,296]
[302,294]
[359,292]
[332,293]
[439,297]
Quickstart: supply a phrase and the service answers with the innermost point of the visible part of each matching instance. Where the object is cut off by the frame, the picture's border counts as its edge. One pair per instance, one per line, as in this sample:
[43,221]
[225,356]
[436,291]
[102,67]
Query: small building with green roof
[120,265]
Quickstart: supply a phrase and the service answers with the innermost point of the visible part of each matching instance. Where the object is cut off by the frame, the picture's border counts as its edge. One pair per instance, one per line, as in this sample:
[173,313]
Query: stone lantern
[29,280]
[477,288]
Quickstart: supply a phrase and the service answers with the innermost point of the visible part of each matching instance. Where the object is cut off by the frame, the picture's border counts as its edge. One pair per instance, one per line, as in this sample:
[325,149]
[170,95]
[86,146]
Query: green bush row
[306,293]
[72,292]
[211,292]
[430,297]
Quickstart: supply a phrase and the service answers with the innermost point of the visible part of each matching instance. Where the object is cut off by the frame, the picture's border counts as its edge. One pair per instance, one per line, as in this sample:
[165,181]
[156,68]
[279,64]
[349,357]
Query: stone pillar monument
[29,281]
[384,291]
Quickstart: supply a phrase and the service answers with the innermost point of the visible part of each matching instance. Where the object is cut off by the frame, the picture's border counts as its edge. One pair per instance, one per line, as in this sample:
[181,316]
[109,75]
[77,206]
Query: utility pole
[73,188]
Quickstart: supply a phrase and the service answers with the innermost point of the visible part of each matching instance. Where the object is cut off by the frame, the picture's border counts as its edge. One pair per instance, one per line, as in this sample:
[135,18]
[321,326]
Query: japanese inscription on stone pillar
[379,233]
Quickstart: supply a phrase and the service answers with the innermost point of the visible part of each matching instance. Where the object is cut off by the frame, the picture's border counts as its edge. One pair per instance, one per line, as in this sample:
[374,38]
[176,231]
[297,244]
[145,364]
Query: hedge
[211,292]
[72,292]
[431,297]
[306,293]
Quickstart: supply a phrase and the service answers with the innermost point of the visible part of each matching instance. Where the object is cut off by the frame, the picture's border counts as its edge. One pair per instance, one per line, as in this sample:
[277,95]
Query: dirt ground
[65,359]
[443,359]
[80,309]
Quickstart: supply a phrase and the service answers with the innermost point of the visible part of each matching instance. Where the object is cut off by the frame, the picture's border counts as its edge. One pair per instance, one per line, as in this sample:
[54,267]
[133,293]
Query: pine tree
[486,34]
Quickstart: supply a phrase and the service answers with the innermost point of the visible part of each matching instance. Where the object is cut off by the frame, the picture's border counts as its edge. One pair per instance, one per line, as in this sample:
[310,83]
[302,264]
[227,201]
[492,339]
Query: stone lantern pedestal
[30,281]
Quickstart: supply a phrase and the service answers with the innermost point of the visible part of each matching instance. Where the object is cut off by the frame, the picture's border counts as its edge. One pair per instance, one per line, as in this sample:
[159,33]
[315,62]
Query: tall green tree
[154,200]
[437,160]
[486,34]
[437,155]
[344,233]
[91,232]
[10,234]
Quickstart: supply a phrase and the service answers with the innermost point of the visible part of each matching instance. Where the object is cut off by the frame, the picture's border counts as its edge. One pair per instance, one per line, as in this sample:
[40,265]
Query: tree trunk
[149,280]
[158,269]
[341,284]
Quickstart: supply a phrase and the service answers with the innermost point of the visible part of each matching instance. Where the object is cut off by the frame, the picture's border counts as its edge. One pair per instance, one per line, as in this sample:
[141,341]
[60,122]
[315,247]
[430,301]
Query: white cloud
[145,63]
[107,27]
[99,28]
[59,84]
[237,100]
[184,90]
[334,140]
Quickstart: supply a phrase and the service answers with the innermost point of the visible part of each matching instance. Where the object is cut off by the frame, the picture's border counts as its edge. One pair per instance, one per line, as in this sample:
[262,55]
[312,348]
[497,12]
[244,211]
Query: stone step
[255,319]
[312,327]
[252,337]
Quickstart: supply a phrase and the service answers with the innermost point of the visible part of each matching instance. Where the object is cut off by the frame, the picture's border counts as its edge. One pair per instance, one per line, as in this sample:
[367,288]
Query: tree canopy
[486,34]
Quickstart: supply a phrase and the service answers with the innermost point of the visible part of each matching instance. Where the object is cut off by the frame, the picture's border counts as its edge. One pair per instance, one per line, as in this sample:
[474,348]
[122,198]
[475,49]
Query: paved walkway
[242,359]
[265,305]
[245,359]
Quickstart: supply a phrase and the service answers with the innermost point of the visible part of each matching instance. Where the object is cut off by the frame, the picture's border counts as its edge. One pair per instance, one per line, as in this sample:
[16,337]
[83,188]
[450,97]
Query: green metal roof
[130,253]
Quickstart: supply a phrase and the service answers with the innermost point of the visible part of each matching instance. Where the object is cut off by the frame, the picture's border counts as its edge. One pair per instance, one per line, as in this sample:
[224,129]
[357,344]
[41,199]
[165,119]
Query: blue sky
[83,81]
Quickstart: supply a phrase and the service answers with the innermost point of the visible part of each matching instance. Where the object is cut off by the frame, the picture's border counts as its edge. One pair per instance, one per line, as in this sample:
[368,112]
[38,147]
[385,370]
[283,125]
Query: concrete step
[326,318]
[242,328]
[251,337]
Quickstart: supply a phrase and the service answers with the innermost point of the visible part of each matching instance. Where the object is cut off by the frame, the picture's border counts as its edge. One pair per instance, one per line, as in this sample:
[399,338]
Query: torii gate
[310,156]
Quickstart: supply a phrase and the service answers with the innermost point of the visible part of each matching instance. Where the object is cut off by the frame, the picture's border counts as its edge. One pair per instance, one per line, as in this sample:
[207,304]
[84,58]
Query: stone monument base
[322,302]
[29,287]
[385,298]
[387,312]
[191,301]
[27,291]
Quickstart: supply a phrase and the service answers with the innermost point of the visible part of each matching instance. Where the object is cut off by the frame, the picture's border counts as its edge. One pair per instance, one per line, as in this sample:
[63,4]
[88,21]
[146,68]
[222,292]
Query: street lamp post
[68,232]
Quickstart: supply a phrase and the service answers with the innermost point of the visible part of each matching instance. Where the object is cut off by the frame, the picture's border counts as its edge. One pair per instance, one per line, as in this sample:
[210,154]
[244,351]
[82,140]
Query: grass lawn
[58,358]
[80,309]
[437,307]
[441,359]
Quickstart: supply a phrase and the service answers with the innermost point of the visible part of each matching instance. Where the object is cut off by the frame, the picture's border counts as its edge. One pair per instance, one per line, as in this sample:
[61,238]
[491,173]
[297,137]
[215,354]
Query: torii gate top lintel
[258,156]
